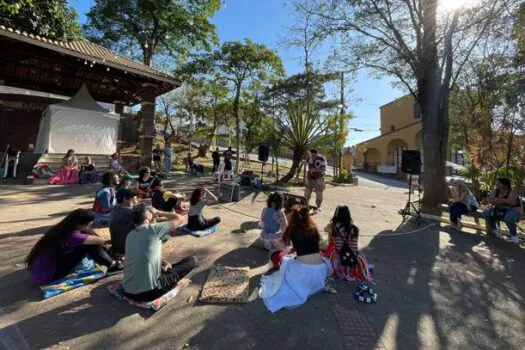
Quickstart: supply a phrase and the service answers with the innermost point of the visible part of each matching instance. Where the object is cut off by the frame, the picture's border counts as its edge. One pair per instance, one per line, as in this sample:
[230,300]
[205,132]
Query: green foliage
[53,19]
[153,26]
[344,177]
[13,6]
[242,66]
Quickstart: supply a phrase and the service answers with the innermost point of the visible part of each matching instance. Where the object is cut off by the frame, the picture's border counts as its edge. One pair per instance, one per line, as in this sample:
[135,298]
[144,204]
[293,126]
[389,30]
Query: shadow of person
[253,326]
[75,319]
[247,226]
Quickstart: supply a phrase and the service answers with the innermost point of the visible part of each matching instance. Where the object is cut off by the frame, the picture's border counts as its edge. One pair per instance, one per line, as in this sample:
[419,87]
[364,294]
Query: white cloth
[291,286]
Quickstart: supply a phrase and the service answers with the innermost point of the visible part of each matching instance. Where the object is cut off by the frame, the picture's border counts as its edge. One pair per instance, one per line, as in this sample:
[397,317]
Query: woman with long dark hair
[299,276]
[348,264]
[68,174]
[196,219]
[505,206]
[143,189]
[64,245]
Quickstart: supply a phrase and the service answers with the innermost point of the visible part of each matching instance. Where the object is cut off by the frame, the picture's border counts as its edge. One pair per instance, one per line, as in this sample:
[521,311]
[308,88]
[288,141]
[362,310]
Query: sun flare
[452,5]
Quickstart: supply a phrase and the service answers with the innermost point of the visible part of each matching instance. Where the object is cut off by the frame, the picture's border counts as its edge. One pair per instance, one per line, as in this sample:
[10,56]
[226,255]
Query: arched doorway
[372,160]
[395,150]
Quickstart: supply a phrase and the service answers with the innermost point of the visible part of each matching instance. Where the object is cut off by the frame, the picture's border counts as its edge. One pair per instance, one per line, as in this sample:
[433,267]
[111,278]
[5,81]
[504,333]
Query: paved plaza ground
[437,288]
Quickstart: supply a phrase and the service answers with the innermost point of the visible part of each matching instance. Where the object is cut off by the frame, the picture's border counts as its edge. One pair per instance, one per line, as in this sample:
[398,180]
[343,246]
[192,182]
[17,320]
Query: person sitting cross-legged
[121,222]
[196,219]
[166,200]
[147,276]
[105,199]
[506,206]
[63,246]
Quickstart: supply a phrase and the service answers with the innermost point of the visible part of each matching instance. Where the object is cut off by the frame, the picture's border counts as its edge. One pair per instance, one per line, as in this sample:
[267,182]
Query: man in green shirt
[147,276]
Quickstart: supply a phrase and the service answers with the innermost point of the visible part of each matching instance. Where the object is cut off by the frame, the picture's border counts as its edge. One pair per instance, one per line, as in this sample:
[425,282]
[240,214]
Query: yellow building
[400,130]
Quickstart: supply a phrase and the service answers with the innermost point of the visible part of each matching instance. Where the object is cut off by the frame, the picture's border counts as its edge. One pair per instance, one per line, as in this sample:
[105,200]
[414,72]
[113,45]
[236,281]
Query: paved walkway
[437,288]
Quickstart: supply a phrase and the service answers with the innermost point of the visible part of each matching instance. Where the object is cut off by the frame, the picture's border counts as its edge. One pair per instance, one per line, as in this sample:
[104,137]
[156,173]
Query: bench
[476,225]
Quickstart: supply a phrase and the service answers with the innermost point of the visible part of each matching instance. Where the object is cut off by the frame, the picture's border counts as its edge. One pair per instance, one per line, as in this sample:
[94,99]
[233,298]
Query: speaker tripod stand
[410,209]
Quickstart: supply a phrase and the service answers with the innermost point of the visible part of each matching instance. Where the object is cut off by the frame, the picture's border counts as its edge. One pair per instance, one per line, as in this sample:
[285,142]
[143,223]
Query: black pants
[215,167]
[167,280]
[170,204]
[198,222]
[73,256]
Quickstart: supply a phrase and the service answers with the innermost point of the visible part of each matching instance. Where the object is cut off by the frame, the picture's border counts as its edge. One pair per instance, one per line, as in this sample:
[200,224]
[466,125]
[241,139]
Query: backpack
[97,207]
[346,256]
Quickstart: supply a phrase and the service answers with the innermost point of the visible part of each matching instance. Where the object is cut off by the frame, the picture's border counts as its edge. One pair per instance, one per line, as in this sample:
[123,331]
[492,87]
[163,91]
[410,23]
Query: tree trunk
[237,127]
[435,119]
[295,166]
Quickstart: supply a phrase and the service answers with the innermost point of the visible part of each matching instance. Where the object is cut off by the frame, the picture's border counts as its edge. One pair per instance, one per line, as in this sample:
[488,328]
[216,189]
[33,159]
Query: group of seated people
[505,205]
[136,237]
[72,172]
[296,250]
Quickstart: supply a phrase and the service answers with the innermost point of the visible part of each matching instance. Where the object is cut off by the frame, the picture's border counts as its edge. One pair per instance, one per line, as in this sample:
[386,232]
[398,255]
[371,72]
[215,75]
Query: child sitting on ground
[196,219]
[273,222]
[166,200]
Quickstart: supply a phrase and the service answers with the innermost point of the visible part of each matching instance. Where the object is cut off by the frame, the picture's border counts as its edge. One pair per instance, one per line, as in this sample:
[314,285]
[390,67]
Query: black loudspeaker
[264,153]
[411,162]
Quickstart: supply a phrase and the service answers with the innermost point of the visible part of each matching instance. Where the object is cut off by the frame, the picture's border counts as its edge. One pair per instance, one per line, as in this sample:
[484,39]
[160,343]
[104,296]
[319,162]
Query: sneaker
[496,233]
[515,239]
[115,268]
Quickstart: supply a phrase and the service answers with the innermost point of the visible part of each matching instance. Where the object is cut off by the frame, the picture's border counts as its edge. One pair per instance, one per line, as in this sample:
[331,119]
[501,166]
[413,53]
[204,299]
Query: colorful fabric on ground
[361,272]
[117,291]
[72,281]
[199,233]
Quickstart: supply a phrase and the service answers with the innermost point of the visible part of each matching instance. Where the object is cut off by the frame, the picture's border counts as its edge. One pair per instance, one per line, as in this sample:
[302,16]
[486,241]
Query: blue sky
[265,21]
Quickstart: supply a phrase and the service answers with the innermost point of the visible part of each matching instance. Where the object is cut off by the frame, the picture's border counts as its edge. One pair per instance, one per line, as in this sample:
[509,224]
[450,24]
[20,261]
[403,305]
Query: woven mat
[226,285]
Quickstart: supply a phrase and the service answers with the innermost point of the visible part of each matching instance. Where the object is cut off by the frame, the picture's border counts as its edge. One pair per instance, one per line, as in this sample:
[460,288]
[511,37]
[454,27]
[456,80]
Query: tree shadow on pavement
[446,289]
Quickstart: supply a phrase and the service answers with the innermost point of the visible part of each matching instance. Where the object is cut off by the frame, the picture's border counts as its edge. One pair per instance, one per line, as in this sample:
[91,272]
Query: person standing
[228,159]
[157,158]
[315,178]
[167,157]
[216,156]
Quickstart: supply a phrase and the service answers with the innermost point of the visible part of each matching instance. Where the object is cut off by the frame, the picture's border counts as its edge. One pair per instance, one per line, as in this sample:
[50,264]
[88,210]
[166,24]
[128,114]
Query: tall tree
[173,27]
[244,65]
[421,44]
[53,19]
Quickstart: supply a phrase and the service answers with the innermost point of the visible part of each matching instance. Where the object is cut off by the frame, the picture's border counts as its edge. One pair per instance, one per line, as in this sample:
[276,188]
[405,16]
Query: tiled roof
[91,52]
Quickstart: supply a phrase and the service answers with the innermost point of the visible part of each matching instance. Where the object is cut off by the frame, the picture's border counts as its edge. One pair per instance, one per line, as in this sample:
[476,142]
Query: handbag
[346,256]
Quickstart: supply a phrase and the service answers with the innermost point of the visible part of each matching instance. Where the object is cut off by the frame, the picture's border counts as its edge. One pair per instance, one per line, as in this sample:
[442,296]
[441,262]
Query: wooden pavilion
[50,68]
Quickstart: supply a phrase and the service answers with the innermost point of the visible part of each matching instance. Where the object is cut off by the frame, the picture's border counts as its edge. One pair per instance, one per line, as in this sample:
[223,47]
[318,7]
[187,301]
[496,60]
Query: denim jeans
[511,218]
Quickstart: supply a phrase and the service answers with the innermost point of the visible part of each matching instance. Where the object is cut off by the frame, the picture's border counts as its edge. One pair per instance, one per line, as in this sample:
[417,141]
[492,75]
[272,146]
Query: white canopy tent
[79,123]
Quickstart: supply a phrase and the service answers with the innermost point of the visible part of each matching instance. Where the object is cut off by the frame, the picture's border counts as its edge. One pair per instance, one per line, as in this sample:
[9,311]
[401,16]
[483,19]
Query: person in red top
[315,178]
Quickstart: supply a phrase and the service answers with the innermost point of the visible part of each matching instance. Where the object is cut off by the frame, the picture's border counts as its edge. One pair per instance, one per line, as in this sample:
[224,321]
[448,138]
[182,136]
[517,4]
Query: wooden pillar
[148,123]
[119,109]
